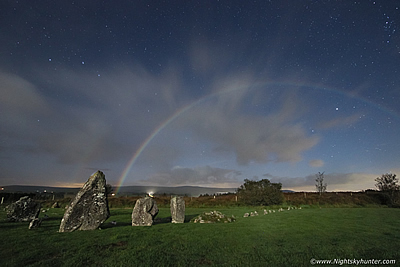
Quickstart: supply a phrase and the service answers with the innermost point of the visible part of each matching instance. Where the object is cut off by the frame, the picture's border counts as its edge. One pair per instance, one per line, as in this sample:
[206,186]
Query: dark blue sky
[199,92]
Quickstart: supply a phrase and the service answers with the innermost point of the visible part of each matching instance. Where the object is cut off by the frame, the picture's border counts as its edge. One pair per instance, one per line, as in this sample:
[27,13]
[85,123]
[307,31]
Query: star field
[204,93]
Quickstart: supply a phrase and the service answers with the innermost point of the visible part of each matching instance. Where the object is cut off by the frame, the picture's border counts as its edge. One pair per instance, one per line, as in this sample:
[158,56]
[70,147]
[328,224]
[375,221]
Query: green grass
[288,238]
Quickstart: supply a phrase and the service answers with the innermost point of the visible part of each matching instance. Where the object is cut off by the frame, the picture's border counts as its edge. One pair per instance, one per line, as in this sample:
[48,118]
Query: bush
[260,193]
[387,184]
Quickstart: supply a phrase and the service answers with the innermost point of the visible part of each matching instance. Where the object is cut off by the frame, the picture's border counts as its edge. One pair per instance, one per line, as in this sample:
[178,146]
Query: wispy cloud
[316,163]
[339,122]
[251,137]
[85,117]
[202,175]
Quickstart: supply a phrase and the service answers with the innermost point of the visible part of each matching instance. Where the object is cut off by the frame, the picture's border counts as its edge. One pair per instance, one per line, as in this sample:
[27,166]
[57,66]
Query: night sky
[201,93]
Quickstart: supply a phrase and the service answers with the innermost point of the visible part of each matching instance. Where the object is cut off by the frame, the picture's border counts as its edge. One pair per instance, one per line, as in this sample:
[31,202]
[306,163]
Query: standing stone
[23,210]
[144,212]
[89,209]
[178,210]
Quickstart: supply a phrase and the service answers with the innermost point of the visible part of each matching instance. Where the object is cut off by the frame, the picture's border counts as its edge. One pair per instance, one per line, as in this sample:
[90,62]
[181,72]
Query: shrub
[258,193]
[387,184]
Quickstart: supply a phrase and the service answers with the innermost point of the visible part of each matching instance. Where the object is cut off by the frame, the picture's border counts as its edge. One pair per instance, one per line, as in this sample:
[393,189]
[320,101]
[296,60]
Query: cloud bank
[251,137]
[202,175]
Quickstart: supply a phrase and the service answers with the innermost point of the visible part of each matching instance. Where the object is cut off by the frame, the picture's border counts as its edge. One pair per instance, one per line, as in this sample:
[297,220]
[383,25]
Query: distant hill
[37,189]
[288,191]
[179,190]
[125,190]
[129,190]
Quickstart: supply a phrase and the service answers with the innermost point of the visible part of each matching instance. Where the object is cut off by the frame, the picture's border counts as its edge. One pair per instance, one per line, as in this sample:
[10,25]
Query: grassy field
[288,238]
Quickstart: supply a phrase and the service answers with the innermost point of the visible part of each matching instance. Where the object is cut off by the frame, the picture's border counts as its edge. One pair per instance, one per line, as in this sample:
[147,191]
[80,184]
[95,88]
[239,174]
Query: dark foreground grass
[288,238]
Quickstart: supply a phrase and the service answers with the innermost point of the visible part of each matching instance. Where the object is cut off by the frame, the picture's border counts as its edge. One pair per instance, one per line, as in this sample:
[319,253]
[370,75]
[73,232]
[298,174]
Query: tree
[387,184]
[263,192]
[319,183]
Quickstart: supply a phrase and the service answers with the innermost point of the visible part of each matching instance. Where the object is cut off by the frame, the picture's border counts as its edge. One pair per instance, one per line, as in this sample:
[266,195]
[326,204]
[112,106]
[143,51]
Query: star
[251,89]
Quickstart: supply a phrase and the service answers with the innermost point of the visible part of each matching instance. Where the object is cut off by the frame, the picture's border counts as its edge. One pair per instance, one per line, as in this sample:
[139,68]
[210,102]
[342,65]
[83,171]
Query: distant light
[2,188]
[150,194]
[113,194]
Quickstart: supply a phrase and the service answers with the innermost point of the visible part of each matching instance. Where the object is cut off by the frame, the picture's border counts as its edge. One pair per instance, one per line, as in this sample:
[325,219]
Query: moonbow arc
[260,85]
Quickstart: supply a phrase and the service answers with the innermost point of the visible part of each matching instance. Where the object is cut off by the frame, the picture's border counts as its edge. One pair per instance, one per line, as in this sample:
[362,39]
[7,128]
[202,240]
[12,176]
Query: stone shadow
[111,224]
[162,220]
[190,216]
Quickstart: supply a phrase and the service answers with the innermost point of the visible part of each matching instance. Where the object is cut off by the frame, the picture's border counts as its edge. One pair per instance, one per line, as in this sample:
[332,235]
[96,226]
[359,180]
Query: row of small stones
[255,213]
[213,213]
[200,220]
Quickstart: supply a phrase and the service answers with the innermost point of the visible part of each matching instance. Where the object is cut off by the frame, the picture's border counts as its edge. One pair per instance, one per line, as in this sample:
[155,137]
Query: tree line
[266,193]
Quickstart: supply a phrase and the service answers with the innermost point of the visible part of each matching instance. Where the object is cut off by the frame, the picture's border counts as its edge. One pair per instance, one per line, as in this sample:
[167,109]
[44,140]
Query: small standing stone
[89,209]
[144,212]
[23,210]
[178,209]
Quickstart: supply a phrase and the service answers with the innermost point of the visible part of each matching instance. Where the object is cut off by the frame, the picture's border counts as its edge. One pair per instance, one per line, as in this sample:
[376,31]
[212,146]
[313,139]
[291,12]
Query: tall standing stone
[178,209]
[23,210]
[89,209]
[144,212]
